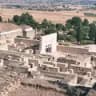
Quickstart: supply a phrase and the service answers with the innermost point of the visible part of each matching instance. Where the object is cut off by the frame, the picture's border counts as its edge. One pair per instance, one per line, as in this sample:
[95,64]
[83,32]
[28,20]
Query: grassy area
[90,14]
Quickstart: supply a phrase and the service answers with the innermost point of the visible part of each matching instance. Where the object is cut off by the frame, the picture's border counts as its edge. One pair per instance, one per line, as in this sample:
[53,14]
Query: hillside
[86,2]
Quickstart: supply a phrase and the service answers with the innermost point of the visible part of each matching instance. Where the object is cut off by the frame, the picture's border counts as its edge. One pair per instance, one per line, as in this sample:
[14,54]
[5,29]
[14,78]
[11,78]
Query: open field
[56,17]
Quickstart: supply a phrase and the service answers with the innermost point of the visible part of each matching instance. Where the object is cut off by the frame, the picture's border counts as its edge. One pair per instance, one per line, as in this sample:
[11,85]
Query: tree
[63,28]
[16,19]
[92,31]
[59,27]
[85,32]
[48,27]
[68,24]
[76,21]
[44,24]
[1,19]
[51,25]
[26,18]
[95,39]
[79,34]
[35,26]
[85,22]
[49,30]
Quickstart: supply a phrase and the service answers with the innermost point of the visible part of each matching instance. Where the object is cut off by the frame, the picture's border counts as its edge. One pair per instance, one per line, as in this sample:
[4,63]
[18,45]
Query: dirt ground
[30,91]
[56,17]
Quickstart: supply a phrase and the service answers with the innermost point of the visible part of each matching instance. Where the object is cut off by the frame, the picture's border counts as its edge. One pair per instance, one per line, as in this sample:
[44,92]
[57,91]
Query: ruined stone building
[44,58]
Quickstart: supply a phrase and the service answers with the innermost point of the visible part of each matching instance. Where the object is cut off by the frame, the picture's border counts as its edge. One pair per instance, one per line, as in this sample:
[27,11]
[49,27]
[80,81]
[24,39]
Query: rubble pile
[9,81]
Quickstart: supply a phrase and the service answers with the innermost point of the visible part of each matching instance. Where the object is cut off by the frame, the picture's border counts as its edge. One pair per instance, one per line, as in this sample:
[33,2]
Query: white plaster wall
[30,33]
[46,40]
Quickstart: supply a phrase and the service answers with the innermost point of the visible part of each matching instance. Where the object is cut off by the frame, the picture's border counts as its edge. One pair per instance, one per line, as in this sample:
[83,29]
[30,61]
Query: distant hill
[84,2]
[88,2]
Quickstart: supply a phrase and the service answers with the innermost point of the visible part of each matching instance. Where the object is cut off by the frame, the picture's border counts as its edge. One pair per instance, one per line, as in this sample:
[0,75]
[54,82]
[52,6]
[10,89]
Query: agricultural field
[56,16]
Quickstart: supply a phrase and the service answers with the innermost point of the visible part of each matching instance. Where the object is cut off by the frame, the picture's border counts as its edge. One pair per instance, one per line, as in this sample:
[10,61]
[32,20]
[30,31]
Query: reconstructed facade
[48,44]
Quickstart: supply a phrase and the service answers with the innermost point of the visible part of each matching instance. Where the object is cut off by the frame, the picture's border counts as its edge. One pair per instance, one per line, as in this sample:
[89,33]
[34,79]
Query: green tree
[35,26]
[85,22]
[59,27]
[79,33]
[48,27]
[26,18]
[1,19]
[16,19]
[51,25]
[49,30]
[44,24]
[76,21]
[85,32]
[63,28]
[95,39]
[92,31]
[68,24]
